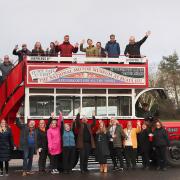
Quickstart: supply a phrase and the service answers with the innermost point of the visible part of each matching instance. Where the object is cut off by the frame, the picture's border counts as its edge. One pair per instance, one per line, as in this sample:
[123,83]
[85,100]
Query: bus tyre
[173,154]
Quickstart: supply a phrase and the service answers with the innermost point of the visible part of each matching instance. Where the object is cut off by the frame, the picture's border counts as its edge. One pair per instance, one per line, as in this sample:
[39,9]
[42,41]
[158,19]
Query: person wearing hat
[21,53]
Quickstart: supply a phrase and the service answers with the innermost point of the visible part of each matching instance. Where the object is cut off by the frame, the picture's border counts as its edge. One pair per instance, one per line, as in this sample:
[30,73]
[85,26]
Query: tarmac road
[138,174]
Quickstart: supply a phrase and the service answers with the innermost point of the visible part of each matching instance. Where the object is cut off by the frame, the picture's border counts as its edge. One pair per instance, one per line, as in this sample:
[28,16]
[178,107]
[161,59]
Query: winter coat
[42,136]
[133,50]
[24,133]
[36,52]
[119,133]
[134,133]
[54,138]
[21,54]
[90,51]
[101,53]
[66,49]
[143,140]
[160,138]
[102,146]
[51,52]
[80,126]
[6,145]
[113,49]
[5,69]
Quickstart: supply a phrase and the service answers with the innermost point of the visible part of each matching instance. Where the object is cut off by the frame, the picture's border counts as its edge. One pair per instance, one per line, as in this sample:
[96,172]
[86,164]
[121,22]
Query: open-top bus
[109,86]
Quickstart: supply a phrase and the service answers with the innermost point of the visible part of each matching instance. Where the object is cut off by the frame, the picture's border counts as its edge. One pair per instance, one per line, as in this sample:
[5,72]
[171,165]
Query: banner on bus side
[90,75]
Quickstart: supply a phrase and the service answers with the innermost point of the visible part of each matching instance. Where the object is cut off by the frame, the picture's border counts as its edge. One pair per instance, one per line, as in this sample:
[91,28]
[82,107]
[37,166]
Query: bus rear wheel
[173,154]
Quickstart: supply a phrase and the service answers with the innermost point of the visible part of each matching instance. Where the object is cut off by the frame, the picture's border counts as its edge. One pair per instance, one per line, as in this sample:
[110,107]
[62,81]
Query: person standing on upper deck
[90,50]
[21,53]
[51,51]
[133,48]
[112,47]
[66,48]
[38,50]
[101,51]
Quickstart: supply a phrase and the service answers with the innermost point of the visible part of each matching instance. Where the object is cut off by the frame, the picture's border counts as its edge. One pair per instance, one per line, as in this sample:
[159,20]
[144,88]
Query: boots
[105,169]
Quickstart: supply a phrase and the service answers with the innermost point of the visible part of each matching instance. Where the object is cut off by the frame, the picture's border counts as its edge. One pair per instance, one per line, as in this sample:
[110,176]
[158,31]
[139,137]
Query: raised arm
[78,123]
[59,120]
[50,120]
[19,124]
[94,120]
[75,48]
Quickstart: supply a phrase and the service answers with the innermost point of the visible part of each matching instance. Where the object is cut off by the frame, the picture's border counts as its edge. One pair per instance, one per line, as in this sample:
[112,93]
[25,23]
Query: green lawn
[172,120]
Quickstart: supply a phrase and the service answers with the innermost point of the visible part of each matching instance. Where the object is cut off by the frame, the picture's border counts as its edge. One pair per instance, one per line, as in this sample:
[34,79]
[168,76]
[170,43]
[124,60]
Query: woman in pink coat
[54,142]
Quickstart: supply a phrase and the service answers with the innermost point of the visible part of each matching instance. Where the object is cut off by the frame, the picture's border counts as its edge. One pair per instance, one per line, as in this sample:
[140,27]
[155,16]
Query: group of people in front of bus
[59,138]
[66,49]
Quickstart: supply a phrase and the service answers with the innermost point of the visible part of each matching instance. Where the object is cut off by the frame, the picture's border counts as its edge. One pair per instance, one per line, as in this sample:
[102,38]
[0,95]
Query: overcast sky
[27,21]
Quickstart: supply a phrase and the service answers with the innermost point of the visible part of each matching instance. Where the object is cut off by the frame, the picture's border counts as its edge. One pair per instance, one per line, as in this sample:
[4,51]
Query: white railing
[120,60]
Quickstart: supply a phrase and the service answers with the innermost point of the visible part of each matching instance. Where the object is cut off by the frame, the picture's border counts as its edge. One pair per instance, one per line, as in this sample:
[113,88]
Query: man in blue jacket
[112,47]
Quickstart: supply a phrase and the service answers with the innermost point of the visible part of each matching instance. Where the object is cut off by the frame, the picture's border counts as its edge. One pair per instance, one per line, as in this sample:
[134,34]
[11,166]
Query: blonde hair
[103,130]
[3,129]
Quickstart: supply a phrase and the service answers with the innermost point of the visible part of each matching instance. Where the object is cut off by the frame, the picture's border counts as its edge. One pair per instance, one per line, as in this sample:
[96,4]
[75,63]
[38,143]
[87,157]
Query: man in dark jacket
[6,67]
[133,48]
[112,47]
[101,51]
[66,49]
[85,140]
[21,53]
[28,143]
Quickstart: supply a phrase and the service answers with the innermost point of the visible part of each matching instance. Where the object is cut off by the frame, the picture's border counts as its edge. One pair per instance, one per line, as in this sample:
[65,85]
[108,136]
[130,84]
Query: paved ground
[171,174]
[138,174]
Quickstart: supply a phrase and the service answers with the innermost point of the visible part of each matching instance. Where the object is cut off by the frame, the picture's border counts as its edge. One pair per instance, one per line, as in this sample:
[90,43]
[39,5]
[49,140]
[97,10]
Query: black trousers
[116,152]
[54,161]
[6,166]
[42,159]
[84,156]
[145,158]
[68,158]
[130,154]
[161,156]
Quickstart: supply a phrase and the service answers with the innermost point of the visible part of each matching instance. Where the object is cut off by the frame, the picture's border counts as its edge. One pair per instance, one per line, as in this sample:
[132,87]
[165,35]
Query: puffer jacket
[54,138]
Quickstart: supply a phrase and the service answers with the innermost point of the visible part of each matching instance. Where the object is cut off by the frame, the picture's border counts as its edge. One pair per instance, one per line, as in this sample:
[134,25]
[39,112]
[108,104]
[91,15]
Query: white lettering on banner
[47,75]
[41,73]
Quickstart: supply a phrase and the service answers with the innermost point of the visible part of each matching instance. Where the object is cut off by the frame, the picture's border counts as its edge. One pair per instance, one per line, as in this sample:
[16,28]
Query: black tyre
[173,154]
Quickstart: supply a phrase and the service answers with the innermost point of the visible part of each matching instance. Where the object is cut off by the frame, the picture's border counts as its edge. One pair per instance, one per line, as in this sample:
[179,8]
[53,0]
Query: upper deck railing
[81,59]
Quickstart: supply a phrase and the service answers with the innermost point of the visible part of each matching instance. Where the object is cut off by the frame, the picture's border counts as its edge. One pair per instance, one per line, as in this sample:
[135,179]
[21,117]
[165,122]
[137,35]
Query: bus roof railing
[76,59]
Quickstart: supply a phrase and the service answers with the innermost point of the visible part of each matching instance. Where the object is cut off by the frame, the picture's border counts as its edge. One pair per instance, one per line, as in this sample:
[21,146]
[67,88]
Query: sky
[28,21]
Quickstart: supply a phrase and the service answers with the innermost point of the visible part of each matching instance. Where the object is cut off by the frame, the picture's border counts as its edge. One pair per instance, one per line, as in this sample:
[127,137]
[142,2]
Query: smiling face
[3,124]
[42,124]
[129,125]
[66,38]
[67,127]
[158,125]
[132,40]
[31,124]
[89,42]
[54,124]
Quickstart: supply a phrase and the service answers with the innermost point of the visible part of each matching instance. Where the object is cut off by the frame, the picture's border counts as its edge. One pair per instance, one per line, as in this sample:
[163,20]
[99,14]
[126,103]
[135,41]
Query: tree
[169,77]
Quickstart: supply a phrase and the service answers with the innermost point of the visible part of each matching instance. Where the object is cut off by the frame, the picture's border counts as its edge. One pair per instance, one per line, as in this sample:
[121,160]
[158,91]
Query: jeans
[28,158]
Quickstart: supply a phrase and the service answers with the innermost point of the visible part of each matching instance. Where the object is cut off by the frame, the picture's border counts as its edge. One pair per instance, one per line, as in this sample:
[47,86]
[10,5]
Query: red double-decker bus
[109,86]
